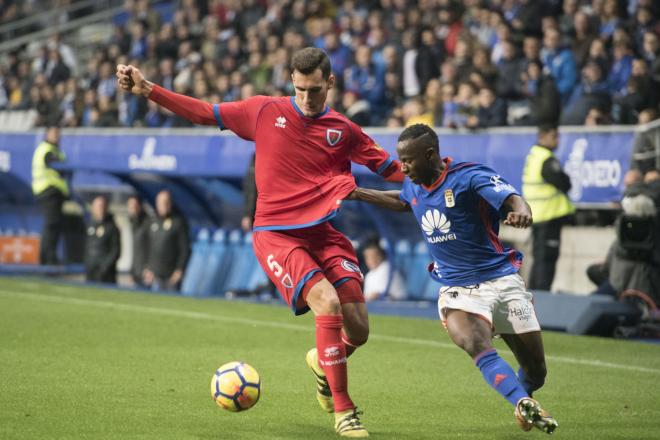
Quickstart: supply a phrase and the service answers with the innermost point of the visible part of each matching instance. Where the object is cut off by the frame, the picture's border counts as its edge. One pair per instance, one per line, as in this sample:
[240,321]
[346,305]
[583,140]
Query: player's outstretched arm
[385,199]
[518,212]
[131,79]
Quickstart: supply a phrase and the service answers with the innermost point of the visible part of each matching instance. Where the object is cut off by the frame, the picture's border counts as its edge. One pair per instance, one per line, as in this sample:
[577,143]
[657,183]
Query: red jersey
[303,164]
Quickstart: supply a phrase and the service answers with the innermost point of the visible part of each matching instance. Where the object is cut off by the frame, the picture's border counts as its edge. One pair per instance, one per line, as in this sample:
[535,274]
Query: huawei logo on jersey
[280,122]
[433,222]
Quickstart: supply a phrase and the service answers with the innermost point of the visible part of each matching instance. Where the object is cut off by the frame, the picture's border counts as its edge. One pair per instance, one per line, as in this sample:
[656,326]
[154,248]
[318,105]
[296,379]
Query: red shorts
[291,257]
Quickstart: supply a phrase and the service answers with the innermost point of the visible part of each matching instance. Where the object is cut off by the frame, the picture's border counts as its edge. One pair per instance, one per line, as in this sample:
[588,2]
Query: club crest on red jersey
[333,136]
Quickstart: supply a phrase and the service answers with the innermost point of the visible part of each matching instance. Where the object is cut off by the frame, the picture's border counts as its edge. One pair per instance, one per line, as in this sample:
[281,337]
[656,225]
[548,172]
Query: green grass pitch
[83,363]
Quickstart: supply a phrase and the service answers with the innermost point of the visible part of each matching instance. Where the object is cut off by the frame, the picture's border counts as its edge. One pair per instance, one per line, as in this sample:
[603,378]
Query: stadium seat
[241,269]
[402,256]
[431,288]
[256,276]
[417,274]
[196,264]
[214,265]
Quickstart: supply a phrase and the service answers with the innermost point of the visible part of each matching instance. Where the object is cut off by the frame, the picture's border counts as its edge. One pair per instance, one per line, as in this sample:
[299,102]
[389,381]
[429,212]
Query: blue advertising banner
[596,161]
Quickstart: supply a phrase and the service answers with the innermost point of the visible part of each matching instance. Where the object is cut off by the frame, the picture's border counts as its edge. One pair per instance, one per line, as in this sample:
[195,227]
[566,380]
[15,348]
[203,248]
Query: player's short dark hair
[546,127]
[419,131]
[307,60]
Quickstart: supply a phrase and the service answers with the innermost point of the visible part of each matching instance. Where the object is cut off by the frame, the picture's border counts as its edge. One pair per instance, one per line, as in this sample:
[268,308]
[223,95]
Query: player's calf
[532,379]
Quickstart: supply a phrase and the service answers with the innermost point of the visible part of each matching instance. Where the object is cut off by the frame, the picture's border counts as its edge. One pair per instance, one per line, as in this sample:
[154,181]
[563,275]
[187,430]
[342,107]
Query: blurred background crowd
[460,64]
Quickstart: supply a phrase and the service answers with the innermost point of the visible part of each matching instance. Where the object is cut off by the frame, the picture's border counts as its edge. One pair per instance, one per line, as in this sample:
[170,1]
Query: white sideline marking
[294,327]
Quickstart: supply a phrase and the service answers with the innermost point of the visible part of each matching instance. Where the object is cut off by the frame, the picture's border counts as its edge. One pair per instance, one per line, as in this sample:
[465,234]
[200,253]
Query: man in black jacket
[102,245]
[169,246]
[140,223]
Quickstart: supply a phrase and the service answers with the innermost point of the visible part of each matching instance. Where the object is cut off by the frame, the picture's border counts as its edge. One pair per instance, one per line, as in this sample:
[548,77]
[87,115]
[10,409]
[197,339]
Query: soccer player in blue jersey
[458,207]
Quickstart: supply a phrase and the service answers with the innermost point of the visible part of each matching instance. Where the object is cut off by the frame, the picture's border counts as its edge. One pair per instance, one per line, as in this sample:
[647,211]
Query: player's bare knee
[328,303]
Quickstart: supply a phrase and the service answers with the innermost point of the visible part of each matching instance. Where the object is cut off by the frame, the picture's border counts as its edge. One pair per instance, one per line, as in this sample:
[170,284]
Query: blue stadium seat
[403,256]
[214,266]
[241,266]
[431,290]
[196,264]
[418,275]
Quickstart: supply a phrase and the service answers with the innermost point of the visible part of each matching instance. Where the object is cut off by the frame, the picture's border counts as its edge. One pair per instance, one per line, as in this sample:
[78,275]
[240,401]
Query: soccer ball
[236,386]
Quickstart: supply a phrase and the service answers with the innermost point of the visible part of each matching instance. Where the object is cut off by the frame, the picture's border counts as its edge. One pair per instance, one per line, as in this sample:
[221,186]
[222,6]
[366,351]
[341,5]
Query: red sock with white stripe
[332,358]
[349,345]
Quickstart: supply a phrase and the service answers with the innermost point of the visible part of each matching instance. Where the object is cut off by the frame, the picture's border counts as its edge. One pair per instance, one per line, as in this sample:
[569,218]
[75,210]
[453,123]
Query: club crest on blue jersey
[449,198]
[333,136]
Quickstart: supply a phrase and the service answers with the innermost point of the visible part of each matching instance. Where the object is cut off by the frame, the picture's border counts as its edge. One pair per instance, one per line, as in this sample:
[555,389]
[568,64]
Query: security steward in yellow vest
[50,189]
[545,187]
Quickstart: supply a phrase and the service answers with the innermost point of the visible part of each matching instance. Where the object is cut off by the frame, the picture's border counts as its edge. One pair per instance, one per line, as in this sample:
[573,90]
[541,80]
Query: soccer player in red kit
[304,151]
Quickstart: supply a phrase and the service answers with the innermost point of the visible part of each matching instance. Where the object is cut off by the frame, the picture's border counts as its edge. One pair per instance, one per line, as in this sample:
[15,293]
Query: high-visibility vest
[43,176]
[547,202]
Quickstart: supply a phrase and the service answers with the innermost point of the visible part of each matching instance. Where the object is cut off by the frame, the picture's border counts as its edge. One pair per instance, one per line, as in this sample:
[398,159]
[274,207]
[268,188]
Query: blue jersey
[459,216]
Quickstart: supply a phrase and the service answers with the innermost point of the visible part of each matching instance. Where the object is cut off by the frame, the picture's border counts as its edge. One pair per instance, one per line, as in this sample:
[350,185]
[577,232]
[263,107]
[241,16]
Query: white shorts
[504,302]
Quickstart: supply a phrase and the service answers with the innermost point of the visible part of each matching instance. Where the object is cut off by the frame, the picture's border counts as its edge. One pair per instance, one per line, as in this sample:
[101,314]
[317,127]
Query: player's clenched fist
[131,79]
[518,220]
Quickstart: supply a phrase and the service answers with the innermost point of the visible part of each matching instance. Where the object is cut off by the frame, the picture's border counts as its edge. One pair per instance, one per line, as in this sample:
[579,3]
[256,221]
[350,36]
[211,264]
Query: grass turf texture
[88,363]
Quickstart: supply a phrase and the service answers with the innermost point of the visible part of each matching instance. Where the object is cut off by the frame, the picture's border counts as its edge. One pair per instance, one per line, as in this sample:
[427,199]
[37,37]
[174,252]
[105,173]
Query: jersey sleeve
[406,192]
[240,116]
[490,185]
[192,109]
[366,151]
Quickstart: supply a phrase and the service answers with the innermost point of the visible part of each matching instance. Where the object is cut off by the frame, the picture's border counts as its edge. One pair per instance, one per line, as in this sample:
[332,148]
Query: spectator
[491,111]
[583,37]
[644,156]
[508,68]
[102,244]
[560,63]
[592,92]
[356,109]
[415,113]
[541,95]
[464,106]
[640,93]
[381,281]
[410,79]
[531,49]
[169,246]
[609,18]
[368,80]
[140,223]
[621,69]
[481,64]
[597,116]
[50,189]
[429,56]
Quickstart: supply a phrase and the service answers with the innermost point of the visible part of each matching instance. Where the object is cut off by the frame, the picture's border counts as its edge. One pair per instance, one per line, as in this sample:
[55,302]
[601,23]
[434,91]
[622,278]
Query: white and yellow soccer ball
[236,386]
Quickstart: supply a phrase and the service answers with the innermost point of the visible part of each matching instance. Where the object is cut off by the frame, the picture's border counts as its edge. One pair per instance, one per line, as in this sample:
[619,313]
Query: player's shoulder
[468,168]
[332,116]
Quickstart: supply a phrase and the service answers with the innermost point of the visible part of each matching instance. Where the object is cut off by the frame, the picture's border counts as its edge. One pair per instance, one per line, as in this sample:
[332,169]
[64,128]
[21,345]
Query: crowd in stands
[462,64]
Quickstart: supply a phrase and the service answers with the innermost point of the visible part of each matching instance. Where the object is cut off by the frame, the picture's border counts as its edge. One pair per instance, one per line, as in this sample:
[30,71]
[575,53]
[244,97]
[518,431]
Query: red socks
[348,344]
[332,358]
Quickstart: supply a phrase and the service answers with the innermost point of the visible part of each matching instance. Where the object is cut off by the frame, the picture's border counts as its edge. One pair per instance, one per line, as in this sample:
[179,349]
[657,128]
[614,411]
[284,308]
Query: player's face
[311,91]
[416,162]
